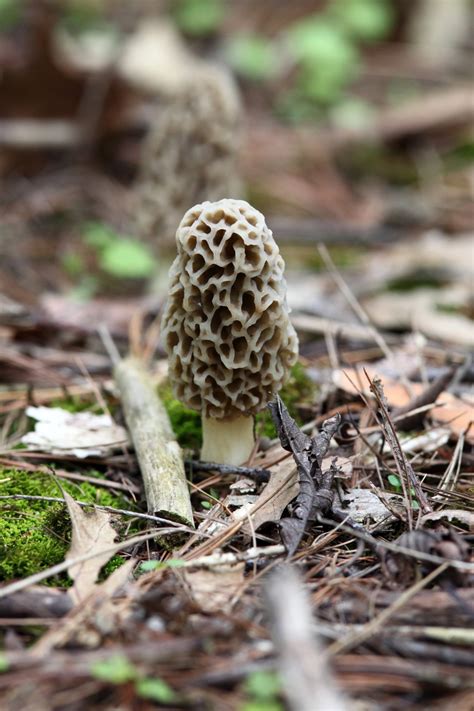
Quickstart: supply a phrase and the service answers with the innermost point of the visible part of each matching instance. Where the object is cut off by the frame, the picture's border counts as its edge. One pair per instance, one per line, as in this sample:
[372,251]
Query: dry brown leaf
[91,533]
[282,488]
[466,517]
[213,590]
[457,414]
[354,381]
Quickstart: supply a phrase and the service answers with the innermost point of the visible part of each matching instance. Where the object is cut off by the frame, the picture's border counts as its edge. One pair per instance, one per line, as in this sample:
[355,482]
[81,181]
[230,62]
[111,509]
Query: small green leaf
[263,685]
[73,263]
[127,258]
[199,17]
[148,565]
[3,663]
[394,481]
[320,41]
[367,19]
[10,14]
[155,689]
[253,56]
[175,563]
[206,504]
[116,670]
[262,706]
[98,235]
[352,113]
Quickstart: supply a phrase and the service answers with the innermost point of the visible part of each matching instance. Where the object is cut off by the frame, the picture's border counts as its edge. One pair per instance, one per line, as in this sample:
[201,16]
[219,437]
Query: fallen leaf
[282,488]
[363,505]
[213,590]
[466,517]
[81,434]
[454,412]
[91,533]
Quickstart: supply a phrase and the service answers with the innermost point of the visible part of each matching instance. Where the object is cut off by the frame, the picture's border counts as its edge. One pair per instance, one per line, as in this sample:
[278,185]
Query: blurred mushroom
[226,326]
[189,153]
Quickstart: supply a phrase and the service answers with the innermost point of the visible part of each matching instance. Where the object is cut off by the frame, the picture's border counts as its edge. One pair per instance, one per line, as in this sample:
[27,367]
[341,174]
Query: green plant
[155,689]
[368,20]
[396,484]
[327,58]
[263,688]
[148,565]
[198,17]
[326,48]
[117,669]
[10,14]
[253,56]
[119,255]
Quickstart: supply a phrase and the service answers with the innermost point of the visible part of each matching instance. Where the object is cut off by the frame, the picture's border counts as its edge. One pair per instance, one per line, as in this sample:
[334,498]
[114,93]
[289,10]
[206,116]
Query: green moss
[186,423]
[419,279]
[299,390]
[35,535]
[343,257]
[76,403]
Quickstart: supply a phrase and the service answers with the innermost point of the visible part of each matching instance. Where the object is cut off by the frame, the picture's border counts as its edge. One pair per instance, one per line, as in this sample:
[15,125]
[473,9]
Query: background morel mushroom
[226,326]
[190,153]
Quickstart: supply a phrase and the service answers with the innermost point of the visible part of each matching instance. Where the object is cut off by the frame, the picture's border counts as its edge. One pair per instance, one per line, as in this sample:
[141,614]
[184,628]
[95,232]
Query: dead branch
[158,453]
[307,680]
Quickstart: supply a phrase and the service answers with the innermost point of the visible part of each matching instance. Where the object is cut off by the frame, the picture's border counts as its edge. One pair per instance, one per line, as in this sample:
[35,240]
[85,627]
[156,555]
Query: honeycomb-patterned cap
[226,326]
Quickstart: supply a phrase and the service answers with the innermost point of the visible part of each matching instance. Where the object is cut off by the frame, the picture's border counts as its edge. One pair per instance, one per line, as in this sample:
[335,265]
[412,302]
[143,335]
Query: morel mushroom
[190,152]
[226,326]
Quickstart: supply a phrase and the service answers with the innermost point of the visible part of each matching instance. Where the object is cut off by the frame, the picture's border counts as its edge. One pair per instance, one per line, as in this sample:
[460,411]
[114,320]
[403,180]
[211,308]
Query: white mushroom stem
[227,441]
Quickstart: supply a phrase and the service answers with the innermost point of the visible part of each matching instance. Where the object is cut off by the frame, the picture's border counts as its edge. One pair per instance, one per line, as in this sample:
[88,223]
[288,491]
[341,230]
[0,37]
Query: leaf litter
[368,495]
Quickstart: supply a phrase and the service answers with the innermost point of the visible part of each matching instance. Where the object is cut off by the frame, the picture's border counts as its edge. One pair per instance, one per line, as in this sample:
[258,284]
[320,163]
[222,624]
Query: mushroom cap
[226,325]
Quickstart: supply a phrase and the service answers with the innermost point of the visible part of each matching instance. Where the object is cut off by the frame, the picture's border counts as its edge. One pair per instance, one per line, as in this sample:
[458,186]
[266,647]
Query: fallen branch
[306,678]
[158,453]
[434,111]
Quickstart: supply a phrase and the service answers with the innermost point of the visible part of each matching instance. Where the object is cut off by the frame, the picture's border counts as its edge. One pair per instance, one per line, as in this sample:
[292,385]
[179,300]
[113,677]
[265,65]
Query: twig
[374,625]
[432,111]
[401,461]
[216,559]
[306,678]
[251,472]
[352,331]
[39,133]
[376,545]
[301,230]
[158,453]
[352,301]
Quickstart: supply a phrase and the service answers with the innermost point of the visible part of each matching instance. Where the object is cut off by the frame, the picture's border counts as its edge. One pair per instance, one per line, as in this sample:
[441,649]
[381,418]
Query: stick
[306,677]
[158,453]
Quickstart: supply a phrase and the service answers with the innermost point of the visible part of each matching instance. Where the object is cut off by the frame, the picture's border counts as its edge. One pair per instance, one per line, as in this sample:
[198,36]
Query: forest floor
[337,564]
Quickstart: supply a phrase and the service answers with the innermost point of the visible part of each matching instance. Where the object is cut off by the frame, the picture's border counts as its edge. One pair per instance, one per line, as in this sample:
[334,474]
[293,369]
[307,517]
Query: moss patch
[35,535]
[299,390]
[186,423]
